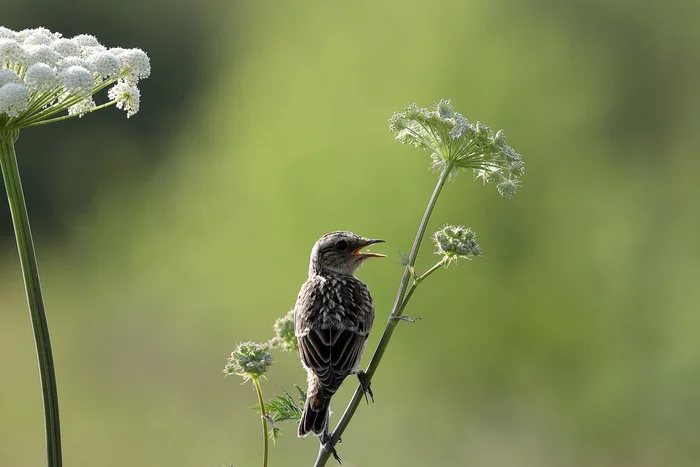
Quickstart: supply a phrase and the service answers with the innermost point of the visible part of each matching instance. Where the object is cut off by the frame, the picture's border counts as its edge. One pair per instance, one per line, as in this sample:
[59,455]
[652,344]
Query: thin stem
[444,175]
[397,309]
[263,417]
[415,284]
[30,271]
[66,117]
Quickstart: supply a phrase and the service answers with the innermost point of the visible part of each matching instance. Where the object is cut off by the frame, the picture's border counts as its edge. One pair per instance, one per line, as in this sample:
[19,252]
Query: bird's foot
[405,318]
[327,443]
[364,384]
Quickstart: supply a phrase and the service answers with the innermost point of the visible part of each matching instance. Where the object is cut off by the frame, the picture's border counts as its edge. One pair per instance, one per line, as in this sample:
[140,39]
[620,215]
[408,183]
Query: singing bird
[333,316]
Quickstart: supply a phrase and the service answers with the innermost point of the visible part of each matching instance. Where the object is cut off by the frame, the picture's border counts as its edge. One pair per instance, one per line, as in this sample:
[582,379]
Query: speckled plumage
[333,316]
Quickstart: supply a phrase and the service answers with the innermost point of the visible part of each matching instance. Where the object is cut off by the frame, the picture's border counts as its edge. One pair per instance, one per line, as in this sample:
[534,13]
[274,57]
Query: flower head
[285,339]
[11,52]
[41,77]
[55,74]
[65,47]
[77,80]
[8,76]
[14,99]
[104,63]
[453,242]
[136,62]
[454,142]
[127,96]
[249,360]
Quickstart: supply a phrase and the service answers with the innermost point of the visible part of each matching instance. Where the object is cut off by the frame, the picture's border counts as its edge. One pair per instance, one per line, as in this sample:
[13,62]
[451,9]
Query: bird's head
[340,252]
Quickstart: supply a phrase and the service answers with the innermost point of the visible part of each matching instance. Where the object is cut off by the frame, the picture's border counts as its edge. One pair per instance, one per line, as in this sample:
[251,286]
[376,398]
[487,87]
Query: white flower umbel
[56,77]
[128,97]
[45,78]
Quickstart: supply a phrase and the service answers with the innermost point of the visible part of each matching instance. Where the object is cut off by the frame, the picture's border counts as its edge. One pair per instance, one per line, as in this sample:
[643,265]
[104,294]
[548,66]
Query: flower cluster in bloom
[452,242]
[43,75]
[455,142]
[249,360]
[285,339]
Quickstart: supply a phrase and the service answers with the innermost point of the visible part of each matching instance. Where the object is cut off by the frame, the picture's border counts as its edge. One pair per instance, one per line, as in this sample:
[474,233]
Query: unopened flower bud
[452,242]
[249,360]
[285,339]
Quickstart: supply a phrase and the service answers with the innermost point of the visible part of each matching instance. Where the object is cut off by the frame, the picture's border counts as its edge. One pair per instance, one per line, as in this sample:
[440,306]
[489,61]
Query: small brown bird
[333,316]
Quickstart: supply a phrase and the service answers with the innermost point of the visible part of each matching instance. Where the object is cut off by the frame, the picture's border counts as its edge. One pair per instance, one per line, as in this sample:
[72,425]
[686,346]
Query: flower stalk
[250,360]
[30,272]
[263,418]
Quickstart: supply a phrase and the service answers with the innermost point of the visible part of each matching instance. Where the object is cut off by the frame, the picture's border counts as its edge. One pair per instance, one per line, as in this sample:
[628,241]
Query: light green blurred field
[572,342]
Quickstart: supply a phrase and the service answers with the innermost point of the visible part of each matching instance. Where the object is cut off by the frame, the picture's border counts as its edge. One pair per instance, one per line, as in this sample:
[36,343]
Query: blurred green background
[166,238]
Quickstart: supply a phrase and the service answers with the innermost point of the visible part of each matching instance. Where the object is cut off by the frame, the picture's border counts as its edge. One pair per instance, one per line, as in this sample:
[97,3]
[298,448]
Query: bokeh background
[166,238]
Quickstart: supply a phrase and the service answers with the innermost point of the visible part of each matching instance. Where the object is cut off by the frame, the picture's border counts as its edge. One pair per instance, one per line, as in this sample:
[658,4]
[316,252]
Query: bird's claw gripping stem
[327,443]
[364,384]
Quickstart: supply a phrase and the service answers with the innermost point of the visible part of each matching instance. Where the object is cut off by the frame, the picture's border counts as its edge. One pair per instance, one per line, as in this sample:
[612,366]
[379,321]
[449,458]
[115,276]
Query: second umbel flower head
[454,142]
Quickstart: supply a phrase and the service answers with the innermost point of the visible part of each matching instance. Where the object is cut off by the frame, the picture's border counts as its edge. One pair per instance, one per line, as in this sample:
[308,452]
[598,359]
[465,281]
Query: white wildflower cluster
[44,75]
[456,143]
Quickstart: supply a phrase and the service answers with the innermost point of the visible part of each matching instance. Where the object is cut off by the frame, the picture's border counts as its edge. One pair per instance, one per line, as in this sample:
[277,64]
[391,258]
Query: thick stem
[30,271]
[263,417]
[397,309]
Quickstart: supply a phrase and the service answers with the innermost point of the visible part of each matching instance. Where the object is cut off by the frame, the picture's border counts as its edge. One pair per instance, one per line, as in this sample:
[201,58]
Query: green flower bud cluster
[249,360]
[285,339]
[452,242]
[455,142]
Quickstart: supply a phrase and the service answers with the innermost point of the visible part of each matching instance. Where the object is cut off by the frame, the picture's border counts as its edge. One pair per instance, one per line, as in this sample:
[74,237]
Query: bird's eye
[341,245]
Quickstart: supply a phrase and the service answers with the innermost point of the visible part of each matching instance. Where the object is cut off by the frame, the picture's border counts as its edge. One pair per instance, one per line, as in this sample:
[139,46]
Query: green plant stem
[397,309]
[66,117]
[263,417]
[415,284]
[30,271]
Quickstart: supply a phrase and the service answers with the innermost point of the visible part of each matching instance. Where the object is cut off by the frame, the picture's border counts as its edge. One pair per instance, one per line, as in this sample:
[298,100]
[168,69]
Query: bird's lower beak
[368,254]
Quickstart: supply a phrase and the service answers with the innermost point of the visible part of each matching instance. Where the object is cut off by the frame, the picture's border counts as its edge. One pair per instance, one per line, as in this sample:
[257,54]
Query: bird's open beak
[368,254]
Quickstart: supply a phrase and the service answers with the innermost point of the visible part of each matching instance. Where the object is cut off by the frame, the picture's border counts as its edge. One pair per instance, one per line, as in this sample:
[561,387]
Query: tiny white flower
[77,80]
[41,77]
[6,33]
[14,99]
[65,47]
[137,62]
[8,76]
[41,54]
[104,64]
[82,107]
[128,97]
[10,51]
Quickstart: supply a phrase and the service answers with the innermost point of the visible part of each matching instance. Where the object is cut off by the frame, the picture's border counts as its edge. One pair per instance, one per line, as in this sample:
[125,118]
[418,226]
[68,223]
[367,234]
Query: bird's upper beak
[368,254]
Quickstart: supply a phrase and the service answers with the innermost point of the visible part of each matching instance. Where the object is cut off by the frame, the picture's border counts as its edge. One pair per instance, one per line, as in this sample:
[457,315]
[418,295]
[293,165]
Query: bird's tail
[315,417]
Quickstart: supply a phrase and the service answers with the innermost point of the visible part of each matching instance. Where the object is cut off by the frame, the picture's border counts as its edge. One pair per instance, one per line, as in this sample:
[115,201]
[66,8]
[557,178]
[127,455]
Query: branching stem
[402,297]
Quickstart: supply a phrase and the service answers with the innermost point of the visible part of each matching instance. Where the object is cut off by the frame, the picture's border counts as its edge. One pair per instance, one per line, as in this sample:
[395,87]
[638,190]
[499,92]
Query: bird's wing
[332,335]
[331,354]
